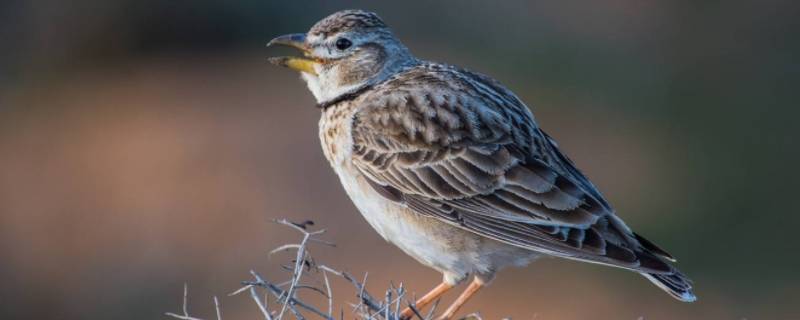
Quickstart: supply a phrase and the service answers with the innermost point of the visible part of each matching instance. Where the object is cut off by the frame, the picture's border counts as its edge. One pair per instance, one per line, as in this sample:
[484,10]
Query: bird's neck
[343,97]
[329,89]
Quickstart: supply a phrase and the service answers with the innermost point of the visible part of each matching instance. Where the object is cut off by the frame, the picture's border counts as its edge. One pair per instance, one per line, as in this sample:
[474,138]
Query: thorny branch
[286,300]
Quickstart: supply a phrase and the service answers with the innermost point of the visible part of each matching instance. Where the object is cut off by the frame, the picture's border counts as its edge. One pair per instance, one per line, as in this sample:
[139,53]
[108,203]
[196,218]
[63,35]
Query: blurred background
[144,144]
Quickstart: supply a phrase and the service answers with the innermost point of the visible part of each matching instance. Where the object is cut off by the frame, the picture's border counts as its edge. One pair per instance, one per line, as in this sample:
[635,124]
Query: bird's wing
[459,147]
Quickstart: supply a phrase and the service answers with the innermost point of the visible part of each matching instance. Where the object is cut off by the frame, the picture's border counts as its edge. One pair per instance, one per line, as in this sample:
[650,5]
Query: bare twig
[416,312]
[216,307]
[329,291]
[261,306]
[401,292]
[301,258]
[284,248]
[185,315]
[285,293]
[473,316]
[433,309]
[280,294]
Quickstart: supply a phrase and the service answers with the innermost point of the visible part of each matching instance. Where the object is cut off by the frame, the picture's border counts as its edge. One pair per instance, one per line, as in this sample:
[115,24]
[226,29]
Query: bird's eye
[343,43]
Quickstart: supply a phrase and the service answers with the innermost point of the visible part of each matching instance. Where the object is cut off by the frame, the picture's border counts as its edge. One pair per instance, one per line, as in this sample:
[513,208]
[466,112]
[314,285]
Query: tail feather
[653,247]
[675,283]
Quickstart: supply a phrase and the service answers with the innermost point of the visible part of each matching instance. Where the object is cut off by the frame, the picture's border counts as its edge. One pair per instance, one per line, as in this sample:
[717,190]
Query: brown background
[147,144]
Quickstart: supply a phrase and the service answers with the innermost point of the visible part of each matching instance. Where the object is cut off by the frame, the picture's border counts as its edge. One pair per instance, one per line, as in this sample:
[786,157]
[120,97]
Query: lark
[450,166]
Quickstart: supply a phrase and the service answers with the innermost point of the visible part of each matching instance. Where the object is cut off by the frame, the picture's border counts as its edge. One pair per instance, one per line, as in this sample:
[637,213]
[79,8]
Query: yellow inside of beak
[303,64]
[296,63]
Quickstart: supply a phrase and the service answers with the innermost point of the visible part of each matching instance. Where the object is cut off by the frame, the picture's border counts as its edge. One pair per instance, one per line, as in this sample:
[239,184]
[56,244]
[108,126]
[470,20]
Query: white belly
[394,223]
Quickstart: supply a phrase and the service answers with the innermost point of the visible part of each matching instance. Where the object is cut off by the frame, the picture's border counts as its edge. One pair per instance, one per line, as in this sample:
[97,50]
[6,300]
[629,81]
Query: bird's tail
[672,280]
[675,283]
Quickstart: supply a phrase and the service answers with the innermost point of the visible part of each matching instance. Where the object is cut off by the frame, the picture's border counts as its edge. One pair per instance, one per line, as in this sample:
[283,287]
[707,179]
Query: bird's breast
[334,134]
[409,231]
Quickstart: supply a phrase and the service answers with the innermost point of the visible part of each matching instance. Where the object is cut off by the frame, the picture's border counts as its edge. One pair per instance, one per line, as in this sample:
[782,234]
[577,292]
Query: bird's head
[343,53]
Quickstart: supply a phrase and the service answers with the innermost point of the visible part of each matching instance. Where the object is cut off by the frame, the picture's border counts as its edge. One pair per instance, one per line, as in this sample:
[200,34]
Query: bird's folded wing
[471,155]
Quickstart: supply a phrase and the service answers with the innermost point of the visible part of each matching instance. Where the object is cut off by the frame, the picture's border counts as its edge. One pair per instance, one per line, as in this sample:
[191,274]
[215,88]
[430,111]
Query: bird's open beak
[296,40]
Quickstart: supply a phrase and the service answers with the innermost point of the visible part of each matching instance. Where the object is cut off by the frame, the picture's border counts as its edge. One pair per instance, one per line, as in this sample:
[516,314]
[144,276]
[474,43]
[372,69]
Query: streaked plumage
[451,166]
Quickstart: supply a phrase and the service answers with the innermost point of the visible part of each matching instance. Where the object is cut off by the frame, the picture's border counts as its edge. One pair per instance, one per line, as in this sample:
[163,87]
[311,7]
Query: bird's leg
[423,302]
[473,287]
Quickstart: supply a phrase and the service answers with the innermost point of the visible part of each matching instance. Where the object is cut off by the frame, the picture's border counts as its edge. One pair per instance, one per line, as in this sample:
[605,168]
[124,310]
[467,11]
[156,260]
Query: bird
[451,167]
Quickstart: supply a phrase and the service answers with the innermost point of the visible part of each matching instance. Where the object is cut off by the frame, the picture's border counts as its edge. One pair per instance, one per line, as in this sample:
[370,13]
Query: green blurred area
[128,129]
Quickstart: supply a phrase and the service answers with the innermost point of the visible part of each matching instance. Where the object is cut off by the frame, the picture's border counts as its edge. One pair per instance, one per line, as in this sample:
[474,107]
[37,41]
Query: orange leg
[426,300]
[473,287]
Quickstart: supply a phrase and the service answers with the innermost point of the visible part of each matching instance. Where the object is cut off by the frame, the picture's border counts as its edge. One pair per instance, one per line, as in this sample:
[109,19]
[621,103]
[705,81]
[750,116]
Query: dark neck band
[343,97]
